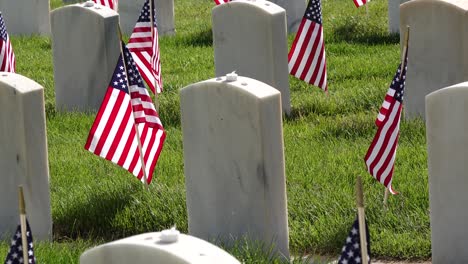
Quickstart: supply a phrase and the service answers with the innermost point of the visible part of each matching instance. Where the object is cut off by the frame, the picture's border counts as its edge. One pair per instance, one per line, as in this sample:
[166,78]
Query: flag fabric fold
[306,58]
[15,255]
[380,157]
[113,133]
[218,2]
[360,3]
[7,56]
[351,251]
[112,4]
[144,46]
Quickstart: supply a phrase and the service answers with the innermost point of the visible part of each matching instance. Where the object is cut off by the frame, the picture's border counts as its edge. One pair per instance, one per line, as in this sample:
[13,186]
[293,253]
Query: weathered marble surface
[234,162]
[394,15]
[295,10]
[254,45]
[150,248]
[26,17]
[85,45]
[23,156]
[447,154]
[437,54]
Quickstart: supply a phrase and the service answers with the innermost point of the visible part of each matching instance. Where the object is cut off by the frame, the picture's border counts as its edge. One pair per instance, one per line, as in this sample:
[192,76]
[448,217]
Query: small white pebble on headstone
[234,162]
[23,156]
[85,44]
[251,38]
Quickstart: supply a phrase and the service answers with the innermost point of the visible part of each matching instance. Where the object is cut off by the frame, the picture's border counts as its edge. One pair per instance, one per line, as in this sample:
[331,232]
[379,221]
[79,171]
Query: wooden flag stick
[385,198]
[156,101]
[361,219]
[140,150]
[405,50]
[22,209]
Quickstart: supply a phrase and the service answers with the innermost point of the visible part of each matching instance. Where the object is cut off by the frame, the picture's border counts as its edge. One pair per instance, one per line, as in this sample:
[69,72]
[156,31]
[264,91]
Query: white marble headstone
[394,15]
[250,38]
[129,11]
[155,248]
[85,45]
[295,10]
[437,54]
[234,162]
[447,154]
[26,17]
[23,156]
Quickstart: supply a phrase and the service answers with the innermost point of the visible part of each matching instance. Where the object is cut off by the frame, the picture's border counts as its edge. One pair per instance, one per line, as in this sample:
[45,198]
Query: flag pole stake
[405,50]
[361,219]
[22,209]
[156,100]
[385,198]
[140,150]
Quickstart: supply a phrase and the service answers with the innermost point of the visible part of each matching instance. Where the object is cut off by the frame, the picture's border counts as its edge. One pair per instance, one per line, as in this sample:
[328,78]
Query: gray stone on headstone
[447,154]
[129,11]
[234,162]
[437,54]
[86,46]
[250,38]
[295,10]
[23,156]
[394,15]
[26,17]
[156,248]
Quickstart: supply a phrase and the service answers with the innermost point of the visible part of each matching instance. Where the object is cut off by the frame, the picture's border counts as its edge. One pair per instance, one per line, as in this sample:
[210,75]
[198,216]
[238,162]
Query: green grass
[326,138]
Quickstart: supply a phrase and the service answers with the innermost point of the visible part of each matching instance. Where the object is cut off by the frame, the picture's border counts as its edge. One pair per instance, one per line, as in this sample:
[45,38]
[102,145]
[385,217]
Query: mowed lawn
[325,138]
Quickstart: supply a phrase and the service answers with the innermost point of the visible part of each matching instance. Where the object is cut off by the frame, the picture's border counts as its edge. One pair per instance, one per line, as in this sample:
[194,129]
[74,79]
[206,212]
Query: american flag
[112,4]
[307,55]
[218,2]
[15,255]
[351,252]
[380,158]
[7,56]
[113,134]
[145,48]
[360,3]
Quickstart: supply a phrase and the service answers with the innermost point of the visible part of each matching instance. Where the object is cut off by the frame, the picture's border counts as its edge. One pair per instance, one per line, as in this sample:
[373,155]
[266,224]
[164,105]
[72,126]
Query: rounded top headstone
[88,6]
[459,4]
[266,6]
[19,82]
[245,84]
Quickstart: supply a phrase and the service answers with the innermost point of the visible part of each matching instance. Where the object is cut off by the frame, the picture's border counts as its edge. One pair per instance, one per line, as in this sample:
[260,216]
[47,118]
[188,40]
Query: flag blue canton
[134,77]
[145,14]
[398,83]
[314,11]
[351,252]
[119,78]
[3,32]
[15,255]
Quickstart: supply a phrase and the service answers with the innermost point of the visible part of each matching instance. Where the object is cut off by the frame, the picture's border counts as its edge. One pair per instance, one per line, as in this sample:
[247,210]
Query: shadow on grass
[93,215]
[202,38]
[363,32]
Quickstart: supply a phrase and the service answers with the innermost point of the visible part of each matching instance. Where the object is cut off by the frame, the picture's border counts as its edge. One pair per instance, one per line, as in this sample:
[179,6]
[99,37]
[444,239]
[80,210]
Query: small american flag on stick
[218,2]
[380,158]
[15,255]
[307,55]
[144,46]
[112,4]
[125,111]
[360,3]
[7,56]
[351,251]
